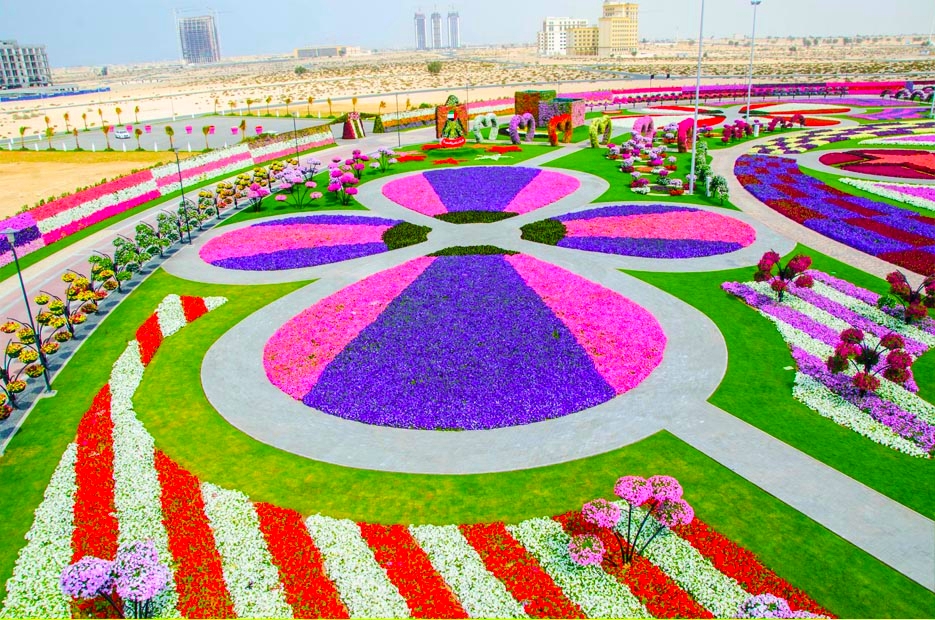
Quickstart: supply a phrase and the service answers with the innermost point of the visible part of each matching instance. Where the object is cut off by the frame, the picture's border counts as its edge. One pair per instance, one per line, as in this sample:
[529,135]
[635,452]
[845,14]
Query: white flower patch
[126,375]
[249,573]
[598,594]
[171,315]
[362,583]
[818,315]
[693,572]
[907,401]
[34,591]
[203,159]
[213,303]
[481,594]
[92,206]
[813,394]
[881,189]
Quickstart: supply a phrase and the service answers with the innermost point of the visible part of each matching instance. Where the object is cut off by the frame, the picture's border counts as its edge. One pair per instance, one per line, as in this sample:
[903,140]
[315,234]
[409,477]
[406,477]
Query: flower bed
[917,195]
[802,142]
[295,242]
[880,229]
[480,188]
[465,342]
[899,163]
[894,114]
[790,108]
[810,321]
[922,139]
[651,231]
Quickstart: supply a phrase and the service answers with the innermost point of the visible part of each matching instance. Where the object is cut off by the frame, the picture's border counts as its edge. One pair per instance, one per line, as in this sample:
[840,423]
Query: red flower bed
[846,203]
[888,170]
[511,148]
[919,261]
[891,231]
[193,307]
[794,211]
[897,163]
[149,335]
[199,577]
[451,161]
[410,570]
[305,583]
[406,158]
[836,159]
[520,572]
[662,597]
[742,565]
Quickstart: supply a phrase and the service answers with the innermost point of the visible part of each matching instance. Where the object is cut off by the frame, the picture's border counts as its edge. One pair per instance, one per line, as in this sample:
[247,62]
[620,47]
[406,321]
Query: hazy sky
[98,32]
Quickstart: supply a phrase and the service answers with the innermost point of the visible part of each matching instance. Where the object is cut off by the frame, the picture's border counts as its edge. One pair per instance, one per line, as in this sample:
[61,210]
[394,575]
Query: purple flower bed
[894,114]
[479,188]
[300,258]
[800,143]
[650,248]
[877,228]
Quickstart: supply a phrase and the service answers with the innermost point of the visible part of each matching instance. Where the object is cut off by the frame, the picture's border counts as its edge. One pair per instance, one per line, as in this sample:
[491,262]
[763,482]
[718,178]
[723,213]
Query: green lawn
[757,390]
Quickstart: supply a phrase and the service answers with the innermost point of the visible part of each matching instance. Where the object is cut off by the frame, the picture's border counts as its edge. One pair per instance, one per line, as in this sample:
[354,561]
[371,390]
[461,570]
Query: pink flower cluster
[416,193]
[546,188]
[92,193]
[271,238]
[299,351]
[700,225]
[625,342]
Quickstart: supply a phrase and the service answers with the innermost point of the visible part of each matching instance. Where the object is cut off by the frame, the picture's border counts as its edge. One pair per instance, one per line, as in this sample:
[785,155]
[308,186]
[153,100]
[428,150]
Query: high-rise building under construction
[199,39]
[419,22]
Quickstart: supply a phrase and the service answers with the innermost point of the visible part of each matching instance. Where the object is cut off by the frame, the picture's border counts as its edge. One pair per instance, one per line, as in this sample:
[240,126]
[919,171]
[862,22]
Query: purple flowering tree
[914,301]
[854,352]
[663,497]
[792,273]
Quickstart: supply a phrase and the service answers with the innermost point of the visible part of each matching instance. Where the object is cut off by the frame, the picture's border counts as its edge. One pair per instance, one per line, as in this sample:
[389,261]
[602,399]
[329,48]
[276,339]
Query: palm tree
[136,114]
[138,132]
[106,129]
[216,102]
[118,111]
[170,132]
[382,105]
[249,103]
[205,130]
[354,103]
[408,103]
[22,138]
[243,130]
[74,132]
[49,132]
[232,104]
[287,101]
[67,118]
[84,117]
[100,113]
[308,109]
[268,99]
[330,113]
[47,121]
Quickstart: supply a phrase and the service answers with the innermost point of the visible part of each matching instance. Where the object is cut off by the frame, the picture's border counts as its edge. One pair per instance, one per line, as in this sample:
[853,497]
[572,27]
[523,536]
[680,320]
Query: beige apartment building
[583,41]
[617,29]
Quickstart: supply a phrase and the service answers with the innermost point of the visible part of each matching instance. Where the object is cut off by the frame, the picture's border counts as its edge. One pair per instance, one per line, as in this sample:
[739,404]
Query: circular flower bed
[296,242]
[897,163]
[492,189]
[465,342]
[647,231]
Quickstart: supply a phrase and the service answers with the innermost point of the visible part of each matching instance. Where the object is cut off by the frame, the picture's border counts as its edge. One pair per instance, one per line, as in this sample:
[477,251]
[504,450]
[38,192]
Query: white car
[122,134]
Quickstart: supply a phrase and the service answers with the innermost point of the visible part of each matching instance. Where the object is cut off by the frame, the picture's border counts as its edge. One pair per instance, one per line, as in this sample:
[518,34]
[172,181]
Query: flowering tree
[292,179]
[915,301]
[663,497]
[136,575]
[853,352]
[770,606]
[792,273]
[386,157]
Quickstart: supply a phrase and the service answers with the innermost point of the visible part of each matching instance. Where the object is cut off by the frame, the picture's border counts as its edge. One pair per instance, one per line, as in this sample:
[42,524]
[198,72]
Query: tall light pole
[755,4]
[183,206]
[691,179]
[295,136]
[399,137]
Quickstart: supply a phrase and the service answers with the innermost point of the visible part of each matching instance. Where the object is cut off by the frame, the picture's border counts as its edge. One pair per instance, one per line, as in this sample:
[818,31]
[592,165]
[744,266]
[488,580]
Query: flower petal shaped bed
[295,242]
[465,342]
[898,163]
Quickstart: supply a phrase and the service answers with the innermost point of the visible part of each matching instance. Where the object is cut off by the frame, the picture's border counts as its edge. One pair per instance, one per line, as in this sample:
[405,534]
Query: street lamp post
[182,205]
[11,238]
[295,135]
[755,4]
[399,137]
[691,178]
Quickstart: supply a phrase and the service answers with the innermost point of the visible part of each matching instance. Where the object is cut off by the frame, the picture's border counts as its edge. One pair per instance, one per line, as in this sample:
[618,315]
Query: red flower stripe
[194,308]
[662,597]
[519,571]
[890,231]
[149,335]
[410,570]
[742,565]
[307,587]
[198,574]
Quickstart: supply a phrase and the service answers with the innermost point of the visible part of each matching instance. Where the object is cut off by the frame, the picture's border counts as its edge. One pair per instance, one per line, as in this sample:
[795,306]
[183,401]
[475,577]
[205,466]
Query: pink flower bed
[205,168]
[99,216]
[624,341]
[299,351]
[546,188]
[259,159]
[700,225]
[76,200]
[416,193]
[271,238]
[7,257]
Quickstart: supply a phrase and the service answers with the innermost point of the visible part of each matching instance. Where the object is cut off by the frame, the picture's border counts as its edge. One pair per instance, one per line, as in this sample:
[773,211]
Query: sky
[110,32]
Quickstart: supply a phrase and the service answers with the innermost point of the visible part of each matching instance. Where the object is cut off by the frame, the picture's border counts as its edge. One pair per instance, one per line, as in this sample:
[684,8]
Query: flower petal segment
[465,342]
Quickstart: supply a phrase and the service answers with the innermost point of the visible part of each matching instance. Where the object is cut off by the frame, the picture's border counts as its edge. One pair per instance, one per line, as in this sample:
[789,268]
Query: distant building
[436,30]
[199,39]
[328,51]
[583,41]
[617,27]
[419,21]
[552,40]
[23,66]
[454,30]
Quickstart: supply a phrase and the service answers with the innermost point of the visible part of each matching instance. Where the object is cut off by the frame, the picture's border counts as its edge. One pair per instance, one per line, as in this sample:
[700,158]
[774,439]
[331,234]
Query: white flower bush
[364,587]
[480,593]
[213,303]
[171,315]
[598,594]
[34,591]
[881,189]
[251,578]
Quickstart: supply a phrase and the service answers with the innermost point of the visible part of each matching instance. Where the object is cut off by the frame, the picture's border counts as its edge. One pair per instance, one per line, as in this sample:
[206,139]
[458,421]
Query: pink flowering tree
[661,496]
[868,361]
[780,277]
[914,301]
[342,184]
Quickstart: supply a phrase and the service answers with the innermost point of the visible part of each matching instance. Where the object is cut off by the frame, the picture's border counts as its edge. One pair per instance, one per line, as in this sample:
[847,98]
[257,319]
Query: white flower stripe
[694,573]
[480,593]
[90,207]
[249,573]
[34,591]
[171,315]
[190,163]
[213,303]
[817,314]
[364,586]
[881,189]
[598,594]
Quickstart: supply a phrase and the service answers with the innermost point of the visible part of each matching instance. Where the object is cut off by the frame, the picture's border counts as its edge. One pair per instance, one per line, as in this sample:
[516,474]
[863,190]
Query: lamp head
[756,2]
[10,234]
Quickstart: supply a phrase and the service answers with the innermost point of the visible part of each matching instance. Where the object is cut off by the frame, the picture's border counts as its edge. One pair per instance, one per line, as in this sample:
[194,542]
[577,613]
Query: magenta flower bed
[480,188]
[897,163]
[297,242]
[465,342]
[99,216]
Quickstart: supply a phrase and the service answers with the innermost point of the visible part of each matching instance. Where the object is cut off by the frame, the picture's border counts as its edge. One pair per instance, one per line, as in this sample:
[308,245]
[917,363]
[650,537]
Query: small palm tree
[249,103]
[100,113]
[67,118]
[243,130]
[354,103]
[74,132]
[232,105]
[408,103]
[171,133]
[216,102]
[138,132]
[49,132]
[330,112]
[136,114]
[22,137]
[287,101]
[268,99]
[118,111]
[106,129]
[205,130]
[84,117]
[382,105]
[308,108]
